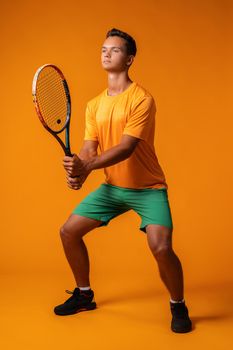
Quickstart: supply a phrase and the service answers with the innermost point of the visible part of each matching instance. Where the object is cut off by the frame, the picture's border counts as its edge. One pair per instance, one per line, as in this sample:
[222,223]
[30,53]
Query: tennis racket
[52,101]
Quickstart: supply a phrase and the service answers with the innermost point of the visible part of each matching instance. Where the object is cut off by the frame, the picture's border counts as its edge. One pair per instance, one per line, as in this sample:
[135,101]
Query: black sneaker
[79,301]
[181,322]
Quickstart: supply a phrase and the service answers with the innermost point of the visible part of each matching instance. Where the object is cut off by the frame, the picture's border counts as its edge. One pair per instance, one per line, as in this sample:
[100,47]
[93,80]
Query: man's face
[114,57]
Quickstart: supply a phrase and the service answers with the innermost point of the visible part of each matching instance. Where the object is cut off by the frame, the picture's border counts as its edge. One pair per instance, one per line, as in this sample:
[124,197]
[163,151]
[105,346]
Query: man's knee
[77,226]
[68,233]
[161,251]
[64,233]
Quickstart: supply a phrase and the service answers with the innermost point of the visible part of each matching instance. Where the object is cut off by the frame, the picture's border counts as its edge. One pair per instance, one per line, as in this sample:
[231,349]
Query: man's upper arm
[89,149]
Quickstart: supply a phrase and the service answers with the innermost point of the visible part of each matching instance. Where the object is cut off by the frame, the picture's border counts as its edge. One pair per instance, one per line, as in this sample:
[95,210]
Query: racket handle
[68,153]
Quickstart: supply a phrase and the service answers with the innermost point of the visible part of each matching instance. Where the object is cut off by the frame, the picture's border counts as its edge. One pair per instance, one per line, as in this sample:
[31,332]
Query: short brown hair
[130,42]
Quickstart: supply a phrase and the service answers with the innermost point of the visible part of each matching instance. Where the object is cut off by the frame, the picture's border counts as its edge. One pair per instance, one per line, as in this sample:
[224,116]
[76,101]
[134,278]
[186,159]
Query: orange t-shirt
[131,112]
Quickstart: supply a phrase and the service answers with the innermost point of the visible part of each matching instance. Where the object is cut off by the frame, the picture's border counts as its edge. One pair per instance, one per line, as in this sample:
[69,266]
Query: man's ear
[130,60]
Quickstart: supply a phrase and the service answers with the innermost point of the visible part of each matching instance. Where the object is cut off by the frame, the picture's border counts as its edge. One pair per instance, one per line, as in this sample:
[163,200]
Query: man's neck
[117,83]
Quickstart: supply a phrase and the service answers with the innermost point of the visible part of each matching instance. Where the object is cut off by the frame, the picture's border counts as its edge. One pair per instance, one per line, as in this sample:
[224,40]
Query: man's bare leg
[160,242]
[170,268]
[74,247]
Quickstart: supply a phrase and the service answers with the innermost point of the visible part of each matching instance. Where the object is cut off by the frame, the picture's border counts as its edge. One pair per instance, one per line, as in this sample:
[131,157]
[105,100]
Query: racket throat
[67,135]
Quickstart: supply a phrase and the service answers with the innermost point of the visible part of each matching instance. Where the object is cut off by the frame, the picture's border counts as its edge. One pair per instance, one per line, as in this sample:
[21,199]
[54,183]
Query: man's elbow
[87,154]
[93,154]
[128,144]
[128,150]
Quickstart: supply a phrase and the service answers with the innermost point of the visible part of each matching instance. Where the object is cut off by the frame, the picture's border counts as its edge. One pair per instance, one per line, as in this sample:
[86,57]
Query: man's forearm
[110,157]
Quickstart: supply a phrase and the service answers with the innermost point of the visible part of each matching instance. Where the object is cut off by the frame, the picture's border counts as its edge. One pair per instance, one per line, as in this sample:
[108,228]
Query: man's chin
[107,67]
[111,69]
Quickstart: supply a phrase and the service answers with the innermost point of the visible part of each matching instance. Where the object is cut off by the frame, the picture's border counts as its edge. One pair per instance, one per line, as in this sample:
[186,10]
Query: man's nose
[107,53]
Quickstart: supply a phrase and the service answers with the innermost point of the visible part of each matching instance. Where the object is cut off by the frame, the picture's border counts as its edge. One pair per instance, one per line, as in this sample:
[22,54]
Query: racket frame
[65,146]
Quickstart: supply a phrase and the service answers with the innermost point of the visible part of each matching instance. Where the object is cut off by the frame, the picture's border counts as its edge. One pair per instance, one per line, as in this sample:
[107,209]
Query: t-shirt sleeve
[91,132]
[141,119]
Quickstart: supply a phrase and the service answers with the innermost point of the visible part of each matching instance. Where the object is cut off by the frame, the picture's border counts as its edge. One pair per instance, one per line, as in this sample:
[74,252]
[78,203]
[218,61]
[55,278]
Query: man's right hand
[73,182]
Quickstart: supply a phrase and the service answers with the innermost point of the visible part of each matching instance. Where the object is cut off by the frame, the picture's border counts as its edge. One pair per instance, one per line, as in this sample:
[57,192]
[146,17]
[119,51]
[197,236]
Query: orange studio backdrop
[185,63]
[185,60]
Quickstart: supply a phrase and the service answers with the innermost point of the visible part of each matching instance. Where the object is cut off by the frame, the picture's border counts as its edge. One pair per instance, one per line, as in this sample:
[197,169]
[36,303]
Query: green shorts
[109,201]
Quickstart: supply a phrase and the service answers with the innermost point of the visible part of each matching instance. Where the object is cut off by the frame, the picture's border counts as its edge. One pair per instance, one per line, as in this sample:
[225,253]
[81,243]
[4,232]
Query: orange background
[185,60]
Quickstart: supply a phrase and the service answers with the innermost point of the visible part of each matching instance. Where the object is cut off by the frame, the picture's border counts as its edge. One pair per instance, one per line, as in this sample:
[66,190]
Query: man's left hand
[77,171]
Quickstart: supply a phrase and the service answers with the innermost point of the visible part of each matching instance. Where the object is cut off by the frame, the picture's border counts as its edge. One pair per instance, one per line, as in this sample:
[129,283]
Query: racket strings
[53,90]
[53,114]
[52,99]
[50,110]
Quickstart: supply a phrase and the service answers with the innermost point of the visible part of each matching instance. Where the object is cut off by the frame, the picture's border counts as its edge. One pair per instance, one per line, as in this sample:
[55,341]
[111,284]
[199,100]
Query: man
[121,122]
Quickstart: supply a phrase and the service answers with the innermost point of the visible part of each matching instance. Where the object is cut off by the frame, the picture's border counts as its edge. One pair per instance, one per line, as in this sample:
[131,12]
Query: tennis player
[121,122]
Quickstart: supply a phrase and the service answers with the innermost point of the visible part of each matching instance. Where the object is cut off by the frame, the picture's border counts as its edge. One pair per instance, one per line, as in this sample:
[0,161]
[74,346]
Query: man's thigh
[159,236]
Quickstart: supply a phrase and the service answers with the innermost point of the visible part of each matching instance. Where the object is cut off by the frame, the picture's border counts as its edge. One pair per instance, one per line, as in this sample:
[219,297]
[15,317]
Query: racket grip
[68,153]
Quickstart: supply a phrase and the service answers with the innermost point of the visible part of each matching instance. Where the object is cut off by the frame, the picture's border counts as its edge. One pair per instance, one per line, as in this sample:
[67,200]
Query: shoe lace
[73,295]
[69,291]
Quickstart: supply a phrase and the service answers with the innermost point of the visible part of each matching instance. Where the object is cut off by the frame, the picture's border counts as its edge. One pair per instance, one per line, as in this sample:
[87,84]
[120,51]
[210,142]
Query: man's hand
[72,165]
[75,166]
[75,183]
[77,171]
